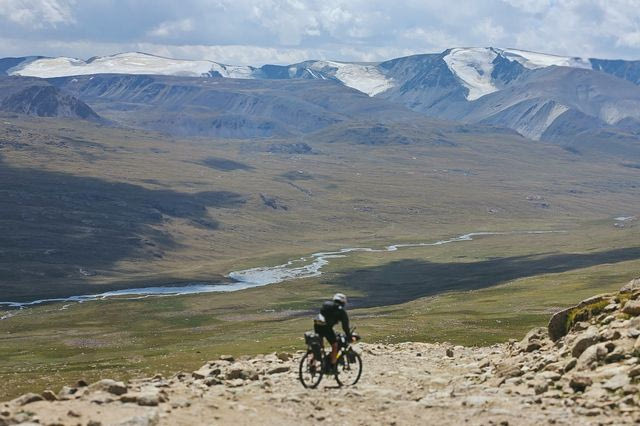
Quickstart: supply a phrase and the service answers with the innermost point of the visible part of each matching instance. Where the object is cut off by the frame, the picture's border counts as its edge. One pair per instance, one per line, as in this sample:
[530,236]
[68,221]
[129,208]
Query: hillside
[588,374]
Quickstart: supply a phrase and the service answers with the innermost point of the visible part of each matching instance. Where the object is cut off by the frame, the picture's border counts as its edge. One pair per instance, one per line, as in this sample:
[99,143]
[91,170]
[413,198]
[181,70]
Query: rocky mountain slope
[35,97]
[584,369]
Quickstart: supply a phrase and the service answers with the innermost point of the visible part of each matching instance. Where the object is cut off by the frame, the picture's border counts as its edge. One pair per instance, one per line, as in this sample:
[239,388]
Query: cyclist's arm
[345,324]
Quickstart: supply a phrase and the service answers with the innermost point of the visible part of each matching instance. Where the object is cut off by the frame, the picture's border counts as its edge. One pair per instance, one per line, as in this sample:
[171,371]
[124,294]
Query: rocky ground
[585,369]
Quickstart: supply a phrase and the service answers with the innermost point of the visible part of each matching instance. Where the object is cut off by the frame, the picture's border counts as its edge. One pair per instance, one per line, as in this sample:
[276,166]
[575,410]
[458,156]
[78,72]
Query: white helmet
[340,298]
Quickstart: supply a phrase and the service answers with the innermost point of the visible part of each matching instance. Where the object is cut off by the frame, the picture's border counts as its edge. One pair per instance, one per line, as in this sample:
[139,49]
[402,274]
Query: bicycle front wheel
[310,371]
[349,368]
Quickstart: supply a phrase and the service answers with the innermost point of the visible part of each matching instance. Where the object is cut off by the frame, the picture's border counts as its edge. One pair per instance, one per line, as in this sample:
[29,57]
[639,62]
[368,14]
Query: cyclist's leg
[333,341]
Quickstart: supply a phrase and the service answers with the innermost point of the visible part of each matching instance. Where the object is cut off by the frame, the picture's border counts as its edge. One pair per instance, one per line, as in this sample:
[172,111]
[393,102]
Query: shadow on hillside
[406,280]
[57,227]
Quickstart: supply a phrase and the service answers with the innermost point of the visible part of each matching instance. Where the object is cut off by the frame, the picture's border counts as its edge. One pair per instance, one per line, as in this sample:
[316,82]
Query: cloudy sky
[285,31]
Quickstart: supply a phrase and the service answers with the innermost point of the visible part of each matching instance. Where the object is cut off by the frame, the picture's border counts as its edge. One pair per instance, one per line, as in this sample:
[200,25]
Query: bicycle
[315,363]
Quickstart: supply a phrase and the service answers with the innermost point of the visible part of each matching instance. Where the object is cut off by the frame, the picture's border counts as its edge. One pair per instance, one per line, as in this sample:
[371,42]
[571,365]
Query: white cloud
[172,28]
[37,13]
[258,31]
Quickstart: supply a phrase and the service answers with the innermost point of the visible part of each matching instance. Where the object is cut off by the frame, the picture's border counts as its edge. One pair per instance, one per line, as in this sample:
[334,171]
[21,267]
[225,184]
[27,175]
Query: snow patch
[534,60]
[128,63]
[364,78]
[473,66]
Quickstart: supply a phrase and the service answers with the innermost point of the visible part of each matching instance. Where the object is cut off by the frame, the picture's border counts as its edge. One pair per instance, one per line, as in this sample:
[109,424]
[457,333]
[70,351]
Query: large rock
[631,286]
[27,399]
[584,340]
[617,382]
[558,323]
[591,356]
[110,386]
[533,340]
[632,307]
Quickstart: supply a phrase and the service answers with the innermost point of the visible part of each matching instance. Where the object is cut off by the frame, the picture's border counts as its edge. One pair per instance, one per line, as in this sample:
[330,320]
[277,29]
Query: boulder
[49,395]
[631,286]
[616,382]
[557,327]
[580,383]
[27,398]
[148,399]
[591,356]
[284,356]
[584,340]
[227,358]
[570,365]
[67,392]
[110,386]
[241,373]
[507,370]
[632,307]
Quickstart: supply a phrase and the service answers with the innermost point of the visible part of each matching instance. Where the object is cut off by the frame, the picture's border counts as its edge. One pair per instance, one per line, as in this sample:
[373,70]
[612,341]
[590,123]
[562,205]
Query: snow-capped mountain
[365,78]
[541,96]
[127,63]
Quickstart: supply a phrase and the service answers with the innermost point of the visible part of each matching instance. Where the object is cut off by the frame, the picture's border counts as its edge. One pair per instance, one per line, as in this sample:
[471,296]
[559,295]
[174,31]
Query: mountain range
[580,102]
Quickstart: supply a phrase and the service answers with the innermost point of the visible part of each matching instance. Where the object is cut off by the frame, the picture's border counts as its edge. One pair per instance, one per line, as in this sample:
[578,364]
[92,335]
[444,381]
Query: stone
[27,398]
[508,370]
[227,358]
[241,373]
[608,319]
[617,382]
[571,364]
[128,397]
[279,369]
[205,372]
[110,386]
[609,334]
[212,381]
[557,327]
[580,383]
[550,375]
[584,340]
[591,356]
[540,387]
[67,392]
[532,346]
[632,307]
[631,286]
[635,371]
[284,356]
[148,399]
[580,326]
[49,395]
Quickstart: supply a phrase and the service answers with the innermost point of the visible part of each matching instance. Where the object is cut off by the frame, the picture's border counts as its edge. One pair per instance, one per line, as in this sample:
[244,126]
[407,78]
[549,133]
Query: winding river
[304,267]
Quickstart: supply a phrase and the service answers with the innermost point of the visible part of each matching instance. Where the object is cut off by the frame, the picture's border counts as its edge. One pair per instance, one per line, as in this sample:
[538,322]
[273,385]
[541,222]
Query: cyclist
[332,312]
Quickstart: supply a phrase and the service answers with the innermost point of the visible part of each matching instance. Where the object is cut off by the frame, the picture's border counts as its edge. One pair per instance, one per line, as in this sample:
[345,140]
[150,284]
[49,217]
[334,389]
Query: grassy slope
[360,196]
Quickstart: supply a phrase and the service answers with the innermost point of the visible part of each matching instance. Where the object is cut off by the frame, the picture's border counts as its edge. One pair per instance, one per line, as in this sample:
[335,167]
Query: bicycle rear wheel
[349,368]
[310,371]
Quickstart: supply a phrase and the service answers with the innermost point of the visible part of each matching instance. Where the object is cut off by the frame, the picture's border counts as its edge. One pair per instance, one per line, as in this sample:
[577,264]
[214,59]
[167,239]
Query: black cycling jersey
[333,312]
